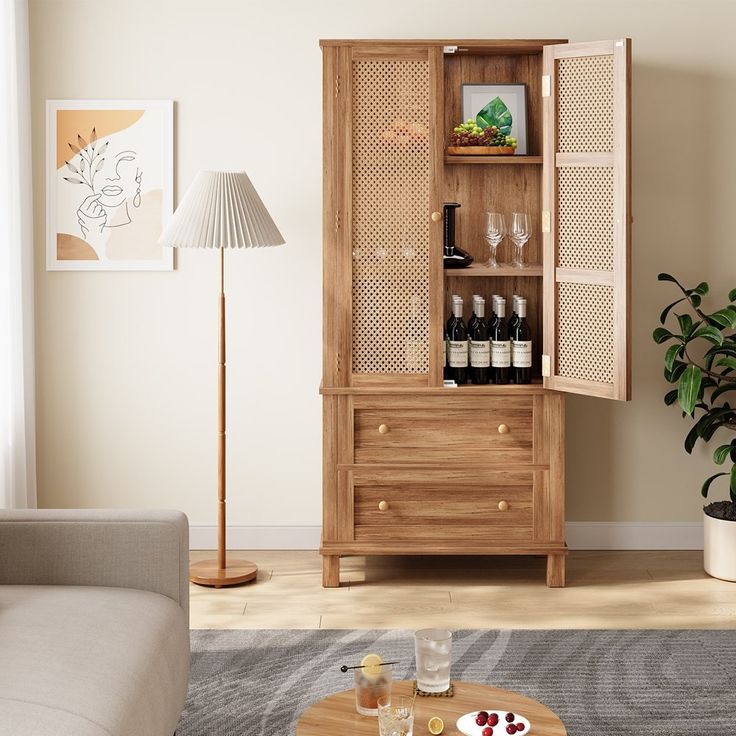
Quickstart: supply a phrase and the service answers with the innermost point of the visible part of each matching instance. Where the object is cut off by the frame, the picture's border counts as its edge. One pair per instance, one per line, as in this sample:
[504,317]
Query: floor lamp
[221,209]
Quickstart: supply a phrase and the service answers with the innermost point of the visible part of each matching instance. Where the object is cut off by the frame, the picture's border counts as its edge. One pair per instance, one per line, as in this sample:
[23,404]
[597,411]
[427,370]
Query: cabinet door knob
[503,505]
[383,505]
[436,216]
[503,429]
[383,429]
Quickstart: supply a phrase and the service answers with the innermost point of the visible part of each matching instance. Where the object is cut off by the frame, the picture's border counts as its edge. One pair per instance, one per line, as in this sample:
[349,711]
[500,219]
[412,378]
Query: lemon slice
[436,725]
[371,664]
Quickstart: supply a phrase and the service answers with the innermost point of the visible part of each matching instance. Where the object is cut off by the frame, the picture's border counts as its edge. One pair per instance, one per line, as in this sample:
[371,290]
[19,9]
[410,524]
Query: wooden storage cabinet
[411,467]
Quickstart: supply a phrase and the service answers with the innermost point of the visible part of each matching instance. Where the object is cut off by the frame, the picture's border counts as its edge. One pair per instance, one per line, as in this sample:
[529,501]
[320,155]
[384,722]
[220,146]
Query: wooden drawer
[425,504]
[455,430]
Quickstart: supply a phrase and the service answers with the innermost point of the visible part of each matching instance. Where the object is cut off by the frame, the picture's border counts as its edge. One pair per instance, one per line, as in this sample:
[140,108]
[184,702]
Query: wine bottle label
[522,354]
[458,353]
[446,351]
[512,343]
[500,353]
[480,353]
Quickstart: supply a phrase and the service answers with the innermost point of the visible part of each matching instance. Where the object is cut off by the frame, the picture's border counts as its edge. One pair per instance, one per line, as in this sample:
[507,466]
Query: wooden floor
[636,590]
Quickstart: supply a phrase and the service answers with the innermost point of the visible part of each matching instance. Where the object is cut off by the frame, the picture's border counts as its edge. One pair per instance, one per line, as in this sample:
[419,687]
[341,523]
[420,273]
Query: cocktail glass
[372,683]
[395,715]
[432,647]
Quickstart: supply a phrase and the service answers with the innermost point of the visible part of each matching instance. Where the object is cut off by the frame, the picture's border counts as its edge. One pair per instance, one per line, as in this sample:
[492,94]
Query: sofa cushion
[90,661]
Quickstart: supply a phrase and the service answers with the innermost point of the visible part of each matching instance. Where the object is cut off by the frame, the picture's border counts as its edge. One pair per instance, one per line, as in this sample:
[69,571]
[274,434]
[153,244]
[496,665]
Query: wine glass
[494,234]
[520,234]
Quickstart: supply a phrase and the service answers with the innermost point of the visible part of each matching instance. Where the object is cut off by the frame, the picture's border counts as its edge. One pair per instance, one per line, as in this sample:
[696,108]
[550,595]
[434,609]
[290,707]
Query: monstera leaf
[495,113]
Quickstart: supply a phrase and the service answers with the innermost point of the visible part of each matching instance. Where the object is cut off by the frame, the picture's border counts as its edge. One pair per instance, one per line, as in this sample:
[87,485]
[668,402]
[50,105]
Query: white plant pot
[719,551]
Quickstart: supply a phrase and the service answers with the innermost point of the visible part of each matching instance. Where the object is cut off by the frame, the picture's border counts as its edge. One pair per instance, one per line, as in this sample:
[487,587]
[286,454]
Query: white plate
[466,724]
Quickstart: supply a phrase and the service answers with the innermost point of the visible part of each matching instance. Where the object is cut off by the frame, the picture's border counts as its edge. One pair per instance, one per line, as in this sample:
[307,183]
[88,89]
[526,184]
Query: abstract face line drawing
[113,183]
[110,184]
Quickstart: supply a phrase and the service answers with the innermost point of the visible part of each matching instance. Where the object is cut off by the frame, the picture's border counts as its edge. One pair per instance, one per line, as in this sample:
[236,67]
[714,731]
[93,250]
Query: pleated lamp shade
[221,209]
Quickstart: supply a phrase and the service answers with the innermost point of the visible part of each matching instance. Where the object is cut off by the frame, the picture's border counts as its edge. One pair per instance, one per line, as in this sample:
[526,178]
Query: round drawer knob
[383,505]
[436,216]
[503,505]
[383,429]
[503,429]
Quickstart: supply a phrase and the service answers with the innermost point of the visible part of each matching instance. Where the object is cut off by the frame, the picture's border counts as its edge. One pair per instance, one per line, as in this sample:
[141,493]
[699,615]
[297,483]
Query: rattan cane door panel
[585,217]
[585,104]
[390,225]
[587,193]
[585,318]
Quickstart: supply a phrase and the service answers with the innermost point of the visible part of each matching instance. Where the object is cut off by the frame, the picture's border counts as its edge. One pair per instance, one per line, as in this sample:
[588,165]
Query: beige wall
[127,361]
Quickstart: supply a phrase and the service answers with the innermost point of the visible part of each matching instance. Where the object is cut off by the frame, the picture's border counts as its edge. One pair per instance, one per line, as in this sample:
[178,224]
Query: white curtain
[17,423]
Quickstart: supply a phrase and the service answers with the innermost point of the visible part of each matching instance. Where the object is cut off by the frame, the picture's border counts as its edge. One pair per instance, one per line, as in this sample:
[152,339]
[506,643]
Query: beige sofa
[94,622]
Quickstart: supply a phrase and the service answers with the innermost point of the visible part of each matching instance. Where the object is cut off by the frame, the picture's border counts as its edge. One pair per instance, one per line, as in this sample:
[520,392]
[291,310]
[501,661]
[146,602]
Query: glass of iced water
[432,648]
[395,715]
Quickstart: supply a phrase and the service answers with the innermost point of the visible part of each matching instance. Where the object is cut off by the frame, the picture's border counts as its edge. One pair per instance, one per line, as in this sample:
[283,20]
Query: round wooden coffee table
[336,716]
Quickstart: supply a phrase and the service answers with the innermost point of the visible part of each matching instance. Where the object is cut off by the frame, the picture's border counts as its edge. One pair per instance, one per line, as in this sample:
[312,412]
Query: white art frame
[109,231]
[514,96]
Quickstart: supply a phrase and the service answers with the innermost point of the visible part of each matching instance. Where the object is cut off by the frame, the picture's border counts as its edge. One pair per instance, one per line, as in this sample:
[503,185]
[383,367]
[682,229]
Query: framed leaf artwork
[109,184]
[502,105]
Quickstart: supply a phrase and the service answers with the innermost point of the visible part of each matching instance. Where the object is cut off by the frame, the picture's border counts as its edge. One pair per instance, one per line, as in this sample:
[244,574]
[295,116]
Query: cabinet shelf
[494,160]
[535,387]
[491,389]
[479,269]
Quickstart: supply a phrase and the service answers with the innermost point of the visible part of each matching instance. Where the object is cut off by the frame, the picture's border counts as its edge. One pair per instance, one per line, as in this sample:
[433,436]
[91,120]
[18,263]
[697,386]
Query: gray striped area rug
[600,683]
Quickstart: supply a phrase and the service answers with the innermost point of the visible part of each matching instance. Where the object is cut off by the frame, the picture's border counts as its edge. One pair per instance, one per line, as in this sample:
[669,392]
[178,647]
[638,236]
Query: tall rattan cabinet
[412,467]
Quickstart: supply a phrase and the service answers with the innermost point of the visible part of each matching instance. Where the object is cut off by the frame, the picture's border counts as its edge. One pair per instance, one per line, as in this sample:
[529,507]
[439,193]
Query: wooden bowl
[480,150]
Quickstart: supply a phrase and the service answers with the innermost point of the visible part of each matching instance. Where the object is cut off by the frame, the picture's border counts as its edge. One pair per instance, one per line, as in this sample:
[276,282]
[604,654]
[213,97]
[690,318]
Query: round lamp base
[236,572]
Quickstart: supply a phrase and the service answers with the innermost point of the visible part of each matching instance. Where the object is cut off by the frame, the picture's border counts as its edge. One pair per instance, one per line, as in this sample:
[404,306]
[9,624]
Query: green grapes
[470,133]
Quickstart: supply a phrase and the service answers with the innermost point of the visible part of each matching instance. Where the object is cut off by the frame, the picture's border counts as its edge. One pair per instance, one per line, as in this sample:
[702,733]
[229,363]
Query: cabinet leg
[555,571]
[330,571]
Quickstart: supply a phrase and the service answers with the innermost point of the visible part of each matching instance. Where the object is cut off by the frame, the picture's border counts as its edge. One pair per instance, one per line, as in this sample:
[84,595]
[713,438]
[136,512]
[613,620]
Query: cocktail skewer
[345,668]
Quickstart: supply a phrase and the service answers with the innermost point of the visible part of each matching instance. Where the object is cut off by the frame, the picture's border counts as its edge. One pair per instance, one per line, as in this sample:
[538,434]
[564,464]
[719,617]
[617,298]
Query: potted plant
[701,362]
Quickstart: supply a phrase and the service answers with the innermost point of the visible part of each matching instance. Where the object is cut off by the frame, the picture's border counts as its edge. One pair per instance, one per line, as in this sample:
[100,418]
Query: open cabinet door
[586,218]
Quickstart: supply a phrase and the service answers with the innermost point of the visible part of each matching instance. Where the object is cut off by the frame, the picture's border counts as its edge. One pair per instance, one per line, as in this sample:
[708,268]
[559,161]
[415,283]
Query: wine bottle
[454,257]
[480,346]
[500,346]
[513,321]
[473,315]
[451,318]
[448,328]
[471,325]
[522,359]
[493,317]
[445,342]
[458,348]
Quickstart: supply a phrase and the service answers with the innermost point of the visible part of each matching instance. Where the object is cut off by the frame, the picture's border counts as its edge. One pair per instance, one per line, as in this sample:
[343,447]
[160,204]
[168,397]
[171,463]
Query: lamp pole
[221,439]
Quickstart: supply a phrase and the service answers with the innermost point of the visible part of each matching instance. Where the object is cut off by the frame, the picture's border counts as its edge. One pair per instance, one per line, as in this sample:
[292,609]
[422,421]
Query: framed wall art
[502,105]
[109,184]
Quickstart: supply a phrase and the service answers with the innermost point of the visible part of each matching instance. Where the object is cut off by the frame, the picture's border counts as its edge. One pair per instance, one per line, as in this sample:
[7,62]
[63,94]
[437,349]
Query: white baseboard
[634,535]
[204,536]
[580,535]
